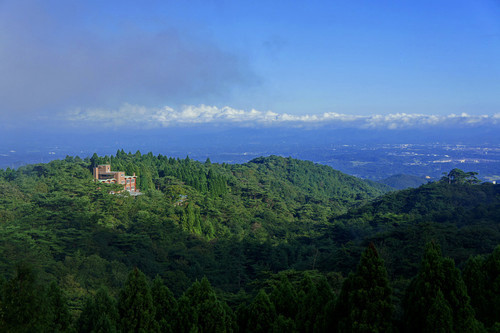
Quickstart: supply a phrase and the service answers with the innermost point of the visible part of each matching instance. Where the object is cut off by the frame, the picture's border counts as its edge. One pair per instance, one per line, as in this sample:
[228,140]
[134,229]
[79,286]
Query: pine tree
[99,314]
[308,305]
[201,310]
[261,314]
[58,316]
[482,277]
[492,270]
[285,299]
[135,306]
[165,304]
[438,274]
[365,299]
[22,305]
[324,306]
[283,324]
[95,160]
[440,319]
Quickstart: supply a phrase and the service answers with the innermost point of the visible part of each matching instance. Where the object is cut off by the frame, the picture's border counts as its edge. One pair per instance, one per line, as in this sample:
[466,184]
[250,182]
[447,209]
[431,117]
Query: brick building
[103,174]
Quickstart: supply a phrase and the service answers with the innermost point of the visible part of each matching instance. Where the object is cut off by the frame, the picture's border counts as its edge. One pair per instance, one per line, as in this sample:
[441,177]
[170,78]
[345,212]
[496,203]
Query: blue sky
[65,62]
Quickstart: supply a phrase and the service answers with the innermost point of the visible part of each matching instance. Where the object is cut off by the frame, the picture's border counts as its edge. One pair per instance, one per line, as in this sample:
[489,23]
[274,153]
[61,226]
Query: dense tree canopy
[273,238]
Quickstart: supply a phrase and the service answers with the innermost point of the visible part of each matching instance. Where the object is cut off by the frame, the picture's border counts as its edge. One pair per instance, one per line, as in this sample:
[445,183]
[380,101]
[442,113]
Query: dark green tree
[283,324]
[58,316]
[457,176]
[95,160]
[438,275]
[99,314]
[313,297]
[260,314]
[285,299]
[440,318]
[23,307]
[482,277]
[135,305]
[165,304]
[365,299]
[202,311]
[325,306]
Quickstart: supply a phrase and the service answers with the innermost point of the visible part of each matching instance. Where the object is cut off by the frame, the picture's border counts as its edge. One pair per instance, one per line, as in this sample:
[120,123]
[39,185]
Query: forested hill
[401,181]
[60,212]
[275,234]
[464,218]
[316,182]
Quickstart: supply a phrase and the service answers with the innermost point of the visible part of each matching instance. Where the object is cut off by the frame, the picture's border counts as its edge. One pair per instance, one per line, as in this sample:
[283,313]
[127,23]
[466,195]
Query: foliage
[482,277]
[99,314]
[22,302]
[365,300]
[438,287]
[165,304]
[135,306]
[204,311]
[261,314]
[290,228]
[457,176]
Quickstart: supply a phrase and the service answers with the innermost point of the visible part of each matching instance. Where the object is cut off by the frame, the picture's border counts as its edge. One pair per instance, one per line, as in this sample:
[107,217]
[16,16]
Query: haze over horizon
[162,64]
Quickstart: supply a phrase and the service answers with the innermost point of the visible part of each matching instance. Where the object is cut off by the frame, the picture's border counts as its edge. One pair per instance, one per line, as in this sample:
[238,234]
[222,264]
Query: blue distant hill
[401,181]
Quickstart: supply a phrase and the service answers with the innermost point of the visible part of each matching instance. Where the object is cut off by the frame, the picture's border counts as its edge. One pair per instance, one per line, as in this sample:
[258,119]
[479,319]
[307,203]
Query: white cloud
[136,115]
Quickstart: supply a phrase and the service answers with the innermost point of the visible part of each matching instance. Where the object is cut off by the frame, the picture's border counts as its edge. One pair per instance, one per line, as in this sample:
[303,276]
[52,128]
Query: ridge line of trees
[435,301]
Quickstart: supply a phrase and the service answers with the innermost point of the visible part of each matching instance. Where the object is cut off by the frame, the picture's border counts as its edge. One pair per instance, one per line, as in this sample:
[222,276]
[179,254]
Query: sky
[165,63]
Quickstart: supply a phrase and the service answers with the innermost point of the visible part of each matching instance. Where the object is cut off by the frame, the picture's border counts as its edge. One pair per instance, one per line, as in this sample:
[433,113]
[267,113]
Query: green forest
[272,245]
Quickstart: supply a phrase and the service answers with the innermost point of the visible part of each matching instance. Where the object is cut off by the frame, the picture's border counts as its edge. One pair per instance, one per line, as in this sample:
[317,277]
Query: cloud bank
[145,117]
[54,56]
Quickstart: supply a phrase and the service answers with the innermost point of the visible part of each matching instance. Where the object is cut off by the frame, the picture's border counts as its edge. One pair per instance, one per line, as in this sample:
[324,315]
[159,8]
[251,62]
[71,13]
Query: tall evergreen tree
[285,299]
[203,311]
[309,305]
[260,314]
[23,308]
[165,304]
[94,160]
[58,316]
[438,275]
[325,306]
[99,314]
[135,306]
[482,277]
[365,299]
[440,318]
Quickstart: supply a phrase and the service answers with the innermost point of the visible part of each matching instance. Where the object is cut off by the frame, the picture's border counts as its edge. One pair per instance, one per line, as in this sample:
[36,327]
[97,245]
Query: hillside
[62,213]
[243,227]
[401,181]
[463,218]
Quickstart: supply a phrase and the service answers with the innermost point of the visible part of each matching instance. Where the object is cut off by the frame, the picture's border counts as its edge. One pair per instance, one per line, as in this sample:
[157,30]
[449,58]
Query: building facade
[102,173]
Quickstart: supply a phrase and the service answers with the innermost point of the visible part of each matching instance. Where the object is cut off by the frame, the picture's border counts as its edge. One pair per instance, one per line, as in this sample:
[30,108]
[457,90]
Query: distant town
[374,162]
